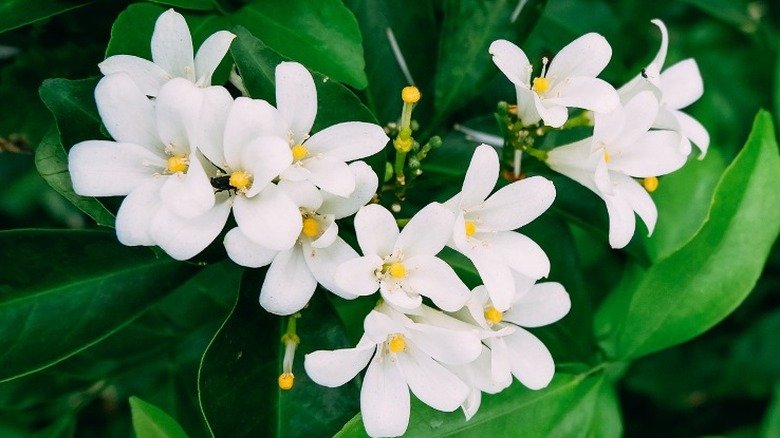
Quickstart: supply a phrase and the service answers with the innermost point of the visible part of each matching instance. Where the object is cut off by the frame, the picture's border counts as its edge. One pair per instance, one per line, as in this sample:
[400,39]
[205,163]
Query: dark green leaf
[607,421]
[323,35]
[693,289]
[196,5]
[149,421]
[17,13]
[62,291]
[770,426]
[52,164]
[239,372]
[563,409]
[464,64]
[73,105]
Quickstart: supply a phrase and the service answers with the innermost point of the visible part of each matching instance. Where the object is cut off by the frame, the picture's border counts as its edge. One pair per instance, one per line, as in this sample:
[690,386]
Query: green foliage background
[97,339]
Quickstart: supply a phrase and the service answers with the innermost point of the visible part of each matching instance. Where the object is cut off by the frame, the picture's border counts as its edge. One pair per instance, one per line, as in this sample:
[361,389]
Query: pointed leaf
[149,421]
[17,13]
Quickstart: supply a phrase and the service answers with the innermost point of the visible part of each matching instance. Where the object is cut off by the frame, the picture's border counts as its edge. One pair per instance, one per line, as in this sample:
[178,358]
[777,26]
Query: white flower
[155,162]
[406,355]
[320,158]
[677,87]
[172,56]
[510,350]
[570,80]
[622,147]
[403,266]
[483,228]
[295,272]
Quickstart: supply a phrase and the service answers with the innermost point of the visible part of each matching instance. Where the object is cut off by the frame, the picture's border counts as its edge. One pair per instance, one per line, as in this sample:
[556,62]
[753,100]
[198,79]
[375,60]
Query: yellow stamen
[470,228]
[286,381]
[410,94]
[240,179]
[178,163]
[397,344]
[650,183]
[310,227]
[541,85]
[493,315]
[299,152]
[397,270]
[606,156]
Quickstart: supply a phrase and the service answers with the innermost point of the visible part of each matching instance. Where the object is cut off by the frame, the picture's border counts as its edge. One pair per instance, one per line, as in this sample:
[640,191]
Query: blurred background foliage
[726,382]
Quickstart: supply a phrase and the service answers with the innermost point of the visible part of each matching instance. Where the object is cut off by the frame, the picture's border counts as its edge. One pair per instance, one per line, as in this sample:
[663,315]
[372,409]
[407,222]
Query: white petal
[177,108]
[172,45]
[543,305]
[585,56]
[433,384]
[270,218]
[184,238]
[452,347]
[584,92]
[296,98]
[621,221]
[327,223]
[302,193]
[496,276]
[432,277]
[323,263]
[639,114]
[376,230]
[693,130]
[471,405]
[660,57]
[191,194]
[638,199]
[148,76]
[397,295]
[247,120]
[126,112]
[337,367]
[512,61]
[356,276]
[516,204]
[500,366]
[348,141]
[552,113]
[210,54]
[210,128]
[384,399]
[481,177]
[264,158]
[136,213]
[331,175]
[527,100]
[106,168]
[381,323]
[366,183]
[519,252]
[245,252]
[682,84]
[655,153]
[576,161]
[289,284]
[427,232]
[531,362]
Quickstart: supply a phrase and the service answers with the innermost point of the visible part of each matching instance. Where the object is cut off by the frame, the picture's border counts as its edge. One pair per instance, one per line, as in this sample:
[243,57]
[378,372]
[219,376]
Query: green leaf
[52,163]
[414,28]
[149,421]
[688,292]
[770,426]
[17,13]
[73,105]
[607,421]
[464,64]
[563,409]
[323,35]
[239,372]
[62,291]
[195,5]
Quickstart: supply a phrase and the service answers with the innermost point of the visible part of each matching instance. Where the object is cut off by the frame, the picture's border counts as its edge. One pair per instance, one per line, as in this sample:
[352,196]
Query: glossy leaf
[770,426]
[62,291]
[73,105]
[149,421]
[52,163]
[17,13]
[685,294]
[323,35]
[239,372]
[563,409]
[197,5]
[464,64]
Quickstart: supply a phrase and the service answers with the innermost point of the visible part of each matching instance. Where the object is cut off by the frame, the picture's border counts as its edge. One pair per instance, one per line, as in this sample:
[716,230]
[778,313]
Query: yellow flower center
[470,228]
[650,183]
[240,180]
[286,381]
[310,227]
[178,163]
[541,85]
[493,315]
[397,270]
[299,152]
[397,344]
[410,94]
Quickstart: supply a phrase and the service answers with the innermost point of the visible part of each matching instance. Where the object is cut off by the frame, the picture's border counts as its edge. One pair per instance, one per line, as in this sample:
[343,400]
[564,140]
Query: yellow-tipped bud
[493,315]
[397,344]
[410,94]
[178,163]
[470,228]
[286,381]
[299,152]
[650,183]
[240,180]
[310,227]
[541,85]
